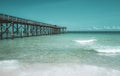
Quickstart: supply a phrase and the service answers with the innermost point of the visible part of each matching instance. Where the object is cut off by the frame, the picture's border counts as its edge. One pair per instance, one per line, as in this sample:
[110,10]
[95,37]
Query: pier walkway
[14,27]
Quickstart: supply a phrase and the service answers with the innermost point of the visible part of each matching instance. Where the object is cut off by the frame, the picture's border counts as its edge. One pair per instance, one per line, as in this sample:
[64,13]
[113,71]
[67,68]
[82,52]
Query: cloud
[106,28]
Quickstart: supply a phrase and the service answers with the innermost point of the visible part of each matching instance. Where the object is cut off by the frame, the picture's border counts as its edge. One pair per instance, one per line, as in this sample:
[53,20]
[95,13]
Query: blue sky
[76,15]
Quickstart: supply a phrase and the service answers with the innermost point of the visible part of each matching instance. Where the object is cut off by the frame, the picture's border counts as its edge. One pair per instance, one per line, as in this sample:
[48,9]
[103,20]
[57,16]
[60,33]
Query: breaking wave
[84,42]
[98,48]
[108,50]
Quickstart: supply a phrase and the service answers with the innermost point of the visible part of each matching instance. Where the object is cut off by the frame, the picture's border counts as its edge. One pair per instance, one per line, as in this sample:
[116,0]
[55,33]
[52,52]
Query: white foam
[109,50]
[84,42]
[65,69]
[9,64]
[69,70]
[106,50]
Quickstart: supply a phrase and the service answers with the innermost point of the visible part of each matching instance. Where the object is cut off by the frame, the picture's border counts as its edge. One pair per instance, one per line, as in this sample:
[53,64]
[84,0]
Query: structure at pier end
[15,27]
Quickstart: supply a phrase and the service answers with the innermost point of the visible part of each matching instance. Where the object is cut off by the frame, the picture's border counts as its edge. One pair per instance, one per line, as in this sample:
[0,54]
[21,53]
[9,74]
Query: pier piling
[15,27]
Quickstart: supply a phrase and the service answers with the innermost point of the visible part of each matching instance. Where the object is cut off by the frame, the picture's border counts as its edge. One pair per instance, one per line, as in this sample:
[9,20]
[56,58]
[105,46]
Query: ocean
[69,54]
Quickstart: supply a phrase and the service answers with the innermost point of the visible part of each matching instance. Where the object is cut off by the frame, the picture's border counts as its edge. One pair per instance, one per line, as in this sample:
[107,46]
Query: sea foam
[62,70]
[84,42]
[9,64]
[109,50]
[106,49]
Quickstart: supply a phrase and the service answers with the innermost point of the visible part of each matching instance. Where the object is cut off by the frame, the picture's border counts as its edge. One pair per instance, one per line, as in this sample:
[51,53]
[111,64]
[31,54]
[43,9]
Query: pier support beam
[24,30]
[21,32]
[36,30]
[28,30]
[1,31]
[12,32]
[7,31]
[17,29]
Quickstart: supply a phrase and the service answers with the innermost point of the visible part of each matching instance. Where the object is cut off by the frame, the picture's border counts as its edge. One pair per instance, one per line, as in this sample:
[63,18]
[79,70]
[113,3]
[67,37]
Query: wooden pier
[14,27]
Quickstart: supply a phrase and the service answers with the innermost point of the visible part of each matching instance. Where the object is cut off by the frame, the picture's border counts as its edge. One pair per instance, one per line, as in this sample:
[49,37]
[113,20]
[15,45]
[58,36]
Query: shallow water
[71,54]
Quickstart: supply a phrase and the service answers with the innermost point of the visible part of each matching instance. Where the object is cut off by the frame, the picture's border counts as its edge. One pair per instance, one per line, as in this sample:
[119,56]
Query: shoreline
[59,69]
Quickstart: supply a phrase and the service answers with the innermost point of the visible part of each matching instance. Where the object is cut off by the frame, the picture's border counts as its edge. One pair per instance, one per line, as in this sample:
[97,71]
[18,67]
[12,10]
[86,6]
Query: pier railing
[12,27]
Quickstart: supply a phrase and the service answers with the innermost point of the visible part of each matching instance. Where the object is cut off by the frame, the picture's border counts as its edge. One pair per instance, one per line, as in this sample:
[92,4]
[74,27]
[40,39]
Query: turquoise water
[75,53]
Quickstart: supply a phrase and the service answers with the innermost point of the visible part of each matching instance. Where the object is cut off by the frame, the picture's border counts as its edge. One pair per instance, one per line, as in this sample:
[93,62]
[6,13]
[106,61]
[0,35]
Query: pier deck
[15,27]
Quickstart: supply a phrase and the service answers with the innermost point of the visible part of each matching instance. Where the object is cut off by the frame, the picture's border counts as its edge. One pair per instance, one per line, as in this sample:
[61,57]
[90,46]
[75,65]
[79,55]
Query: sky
[76,15]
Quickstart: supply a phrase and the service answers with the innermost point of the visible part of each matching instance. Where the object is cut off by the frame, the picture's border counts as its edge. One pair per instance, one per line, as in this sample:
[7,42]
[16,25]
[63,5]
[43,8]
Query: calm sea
[70,54]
